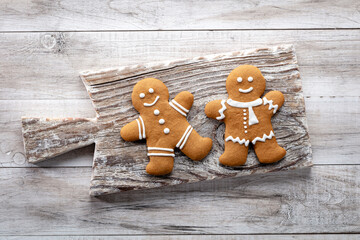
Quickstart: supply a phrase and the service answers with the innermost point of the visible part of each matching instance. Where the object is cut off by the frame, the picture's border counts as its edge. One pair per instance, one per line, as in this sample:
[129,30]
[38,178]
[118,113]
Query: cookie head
[245,83]
[148,93]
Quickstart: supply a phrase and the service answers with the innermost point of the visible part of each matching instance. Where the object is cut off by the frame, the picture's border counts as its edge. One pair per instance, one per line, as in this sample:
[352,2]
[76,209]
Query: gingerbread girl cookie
[164,126]
[247,117]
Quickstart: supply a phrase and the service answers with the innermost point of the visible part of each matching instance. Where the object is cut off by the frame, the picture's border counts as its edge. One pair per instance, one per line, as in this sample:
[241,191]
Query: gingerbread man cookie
[164,126]
[247,117]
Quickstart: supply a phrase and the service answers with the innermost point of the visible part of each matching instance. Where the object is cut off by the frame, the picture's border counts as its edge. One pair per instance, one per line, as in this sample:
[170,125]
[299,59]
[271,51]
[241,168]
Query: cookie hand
[182,102]
[274,100]
[134,130]
[215,109]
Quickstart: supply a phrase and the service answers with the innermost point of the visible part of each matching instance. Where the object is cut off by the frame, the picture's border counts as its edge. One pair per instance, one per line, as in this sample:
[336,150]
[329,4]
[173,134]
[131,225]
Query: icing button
[245,118]
[166,131]
[156,112]
[245,131]
[161,121]
[245,123]
[244,110]
[244,114]
[245,127]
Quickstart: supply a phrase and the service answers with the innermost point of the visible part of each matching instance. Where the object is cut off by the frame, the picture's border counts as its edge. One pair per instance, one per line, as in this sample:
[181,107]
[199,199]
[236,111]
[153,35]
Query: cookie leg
[160,165]
[235,154]
[269,151]
[194,146]
[161,161]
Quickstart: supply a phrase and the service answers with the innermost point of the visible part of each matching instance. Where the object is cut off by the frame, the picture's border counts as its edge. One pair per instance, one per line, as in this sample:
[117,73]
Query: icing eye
[151,90]
[250,79]
[142,95]
[239,79]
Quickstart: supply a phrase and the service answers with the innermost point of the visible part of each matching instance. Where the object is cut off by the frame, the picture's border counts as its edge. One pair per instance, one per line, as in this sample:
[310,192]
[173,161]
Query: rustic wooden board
[67,15]
[119,166]
[55,201]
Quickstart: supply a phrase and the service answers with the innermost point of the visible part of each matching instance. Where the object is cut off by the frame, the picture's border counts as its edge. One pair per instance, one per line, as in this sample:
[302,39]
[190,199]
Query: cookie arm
[274,100]
[134,130]
[182,102]
[215,109]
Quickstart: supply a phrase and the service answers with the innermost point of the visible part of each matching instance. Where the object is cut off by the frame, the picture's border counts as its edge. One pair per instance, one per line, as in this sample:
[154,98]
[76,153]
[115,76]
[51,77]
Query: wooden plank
[67,15]
[120,166]
[328,60]
[55,201]
[195,237]
[331,120]
[334,129]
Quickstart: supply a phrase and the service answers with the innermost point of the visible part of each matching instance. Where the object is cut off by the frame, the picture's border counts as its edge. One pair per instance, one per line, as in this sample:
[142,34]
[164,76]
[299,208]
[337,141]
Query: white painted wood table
[45,44]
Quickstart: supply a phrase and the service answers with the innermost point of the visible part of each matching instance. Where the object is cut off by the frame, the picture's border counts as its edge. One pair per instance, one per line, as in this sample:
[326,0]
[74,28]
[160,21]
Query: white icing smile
[153,103]
[246,90]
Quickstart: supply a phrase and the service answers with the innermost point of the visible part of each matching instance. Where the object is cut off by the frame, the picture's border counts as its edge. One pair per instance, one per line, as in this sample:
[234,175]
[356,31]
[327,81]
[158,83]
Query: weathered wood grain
[119,166]
[323,199]
[65,15]
[328,60]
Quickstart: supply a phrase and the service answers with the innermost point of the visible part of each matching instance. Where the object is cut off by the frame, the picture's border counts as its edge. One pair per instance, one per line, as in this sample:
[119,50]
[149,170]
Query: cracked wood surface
[119,166]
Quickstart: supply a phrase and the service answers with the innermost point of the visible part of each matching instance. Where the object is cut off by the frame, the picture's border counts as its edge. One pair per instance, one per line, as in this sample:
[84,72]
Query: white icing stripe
[160,149]
[264,137]
[237,140]
[161,154]
[183,136]
[221,111]
[181,107]
[275,107]
[143,126]
[174,107]
[153,103]
[140,137]
[186,138]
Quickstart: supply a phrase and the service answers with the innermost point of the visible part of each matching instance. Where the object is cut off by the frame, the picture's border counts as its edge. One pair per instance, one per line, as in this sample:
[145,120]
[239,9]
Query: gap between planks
[310,236]
[184,30]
